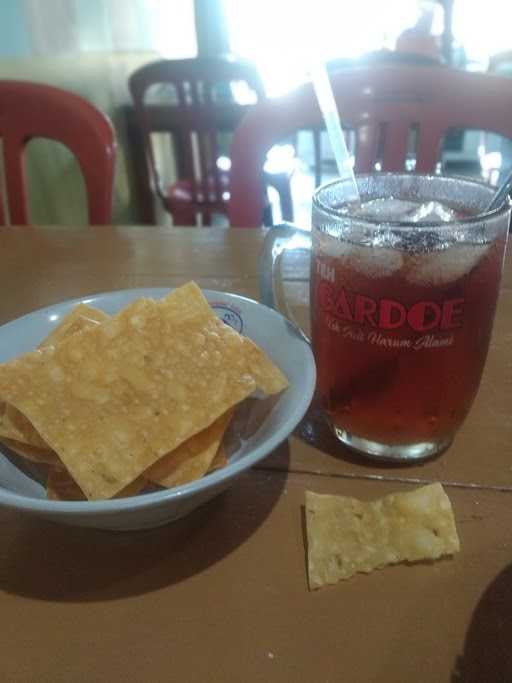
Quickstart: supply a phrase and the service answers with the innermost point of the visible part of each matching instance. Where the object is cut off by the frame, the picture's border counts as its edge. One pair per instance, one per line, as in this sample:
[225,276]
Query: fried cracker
[346,535]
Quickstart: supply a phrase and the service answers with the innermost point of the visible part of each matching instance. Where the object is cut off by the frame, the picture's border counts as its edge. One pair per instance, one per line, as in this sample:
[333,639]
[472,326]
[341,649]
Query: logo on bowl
[229,315]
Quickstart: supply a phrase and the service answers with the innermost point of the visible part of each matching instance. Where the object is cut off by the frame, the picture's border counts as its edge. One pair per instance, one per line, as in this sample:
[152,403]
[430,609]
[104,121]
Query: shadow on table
[48,561]
[487,652]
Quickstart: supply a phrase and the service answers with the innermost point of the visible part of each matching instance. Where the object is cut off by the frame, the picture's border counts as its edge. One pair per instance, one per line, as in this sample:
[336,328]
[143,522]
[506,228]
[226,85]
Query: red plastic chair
[33,110]
[383,105]
[202,108]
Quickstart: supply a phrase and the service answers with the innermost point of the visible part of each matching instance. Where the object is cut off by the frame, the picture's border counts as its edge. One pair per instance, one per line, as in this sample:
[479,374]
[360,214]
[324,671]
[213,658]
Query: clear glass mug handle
[278,240]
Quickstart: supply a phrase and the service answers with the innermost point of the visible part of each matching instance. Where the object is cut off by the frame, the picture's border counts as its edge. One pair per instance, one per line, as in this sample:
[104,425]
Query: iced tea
[400,335]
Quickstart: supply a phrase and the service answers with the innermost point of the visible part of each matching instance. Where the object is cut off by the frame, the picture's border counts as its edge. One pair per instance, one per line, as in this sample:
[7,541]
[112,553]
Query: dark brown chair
[201,110]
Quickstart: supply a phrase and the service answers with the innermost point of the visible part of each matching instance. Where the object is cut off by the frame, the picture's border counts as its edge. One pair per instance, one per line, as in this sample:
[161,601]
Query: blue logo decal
[229,315]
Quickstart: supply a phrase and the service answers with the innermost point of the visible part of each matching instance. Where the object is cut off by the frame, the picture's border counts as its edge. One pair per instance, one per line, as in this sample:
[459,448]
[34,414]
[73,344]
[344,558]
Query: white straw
[329,111]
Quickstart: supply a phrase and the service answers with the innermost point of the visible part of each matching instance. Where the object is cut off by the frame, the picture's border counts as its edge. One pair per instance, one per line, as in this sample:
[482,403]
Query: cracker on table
[346,535]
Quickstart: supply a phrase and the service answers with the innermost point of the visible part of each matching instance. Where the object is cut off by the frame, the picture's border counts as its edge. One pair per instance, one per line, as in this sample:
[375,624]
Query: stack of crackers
[112,405]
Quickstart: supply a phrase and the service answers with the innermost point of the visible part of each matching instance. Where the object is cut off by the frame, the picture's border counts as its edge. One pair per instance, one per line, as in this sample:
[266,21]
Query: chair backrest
[383,105]
[202,105]
[33,110]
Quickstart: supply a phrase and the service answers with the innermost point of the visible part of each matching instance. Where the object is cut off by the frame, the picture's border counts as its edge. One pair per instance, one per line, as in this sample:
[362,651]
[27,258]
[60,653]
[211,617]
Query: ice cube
[375,262]
[386,209]
[433,212]
[332,247]
[392,209]
[371,261]
[442,267]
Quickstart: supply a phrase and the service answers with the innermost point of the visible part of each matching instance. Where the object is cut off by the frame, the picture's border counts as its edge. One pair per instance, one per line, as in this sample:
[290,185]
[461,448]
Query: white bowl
[273,333]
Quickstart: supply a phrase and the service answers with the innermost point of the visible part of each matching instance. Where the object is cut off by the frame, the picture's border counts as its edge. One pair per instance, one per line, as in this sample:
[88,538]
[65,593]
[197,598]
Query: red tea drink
[400,336]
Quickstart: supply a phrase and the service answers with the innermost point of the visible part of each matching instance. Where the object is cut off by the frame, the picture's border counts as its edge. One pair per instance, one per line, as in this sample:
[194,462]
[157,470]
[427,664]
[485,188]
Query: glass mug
[402,299]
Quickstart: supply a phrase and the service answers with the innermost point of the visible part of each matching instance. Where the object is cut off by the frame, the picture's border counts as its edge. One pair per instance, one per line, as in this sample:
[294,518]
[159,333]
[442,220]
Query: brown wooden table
[222,595]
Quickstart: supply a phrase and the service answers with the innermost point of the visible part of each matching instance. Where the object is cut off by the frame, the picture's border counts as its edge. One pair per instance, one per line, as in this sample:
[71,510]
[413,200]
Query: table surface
[222,595]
